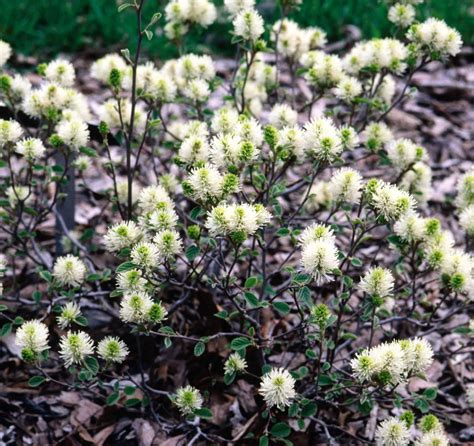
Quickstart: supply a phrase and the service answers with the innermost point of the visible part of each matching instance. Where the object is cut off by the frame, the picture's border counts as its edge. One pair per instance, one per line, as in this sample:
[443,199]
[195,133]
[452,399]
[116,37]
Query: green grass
[46,27]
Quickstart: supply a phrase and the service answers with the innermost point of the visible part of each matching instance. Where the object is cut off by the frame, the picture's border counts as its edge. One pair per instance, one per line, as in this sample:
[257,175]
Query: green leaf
[88,151]
[36,381]
[281,307]
[309,410]
[282,232]
[113,398]
[6,329]
[124,6]
[251,282]
[263,441]
[251,299]
[430,393]
[422,405]
[81,320]
[240,343]
[91,364]
[204,412]
[199,348]
[46,275]
[229,378]
[356,262]
[3,308]
[192,252]
[132,402]
[126,266]
[129,390]
[280,430]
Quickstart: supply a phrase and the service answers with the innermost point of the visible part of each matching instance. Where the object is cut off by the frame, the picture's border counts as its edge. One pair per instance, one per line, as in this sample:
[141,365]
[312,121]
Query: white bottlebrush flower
[235,364]
[277,388]
[401,14]
[465,190]
[228,149]
[319,258]
[82,163]
[146,255]
[346,185]
[364,366]
[69,270]
[391,202]
[417,181]
[102,67]
[392,432]
[377,135]
[152,198]
[10,132]
[436,438]
[434,35]
[225,120]
[122,235]
[322,140]
[386,90]
[315,232]
[30,148]
[18,193]
[162,88]
[377,282]
[74,347]
[60,72]
[249,25]
[403,153]
[68,315]
[194,148]
[74,133]
[325,72]
[418,355]
[20,87]
[249,129]
[347,89]
[229,219]
[32,338]
[377,54]
[131,281]
[282,115]
[197,90]
[168,243]
[160,219]
[410,227]
[390,362]
[438,247]
[188,399]
[236,6]
[112,349]
[206,182]
[466,220]
[320,196]
[135,307]
[5,52]
[291,139]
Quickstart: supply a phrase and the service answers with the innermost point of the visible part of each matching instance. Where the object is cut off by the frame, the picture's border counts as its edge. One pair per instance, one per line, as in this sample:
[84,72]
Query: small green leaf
[126,266]
[280,430]
[36,381]
[113,398]
[281,307]
[263,441]
[192,252]
[251,282]
[356,262]
[6,329]
[204,412]
[199,348]
[240,343]
[91,364]
[430,393]
[132,402]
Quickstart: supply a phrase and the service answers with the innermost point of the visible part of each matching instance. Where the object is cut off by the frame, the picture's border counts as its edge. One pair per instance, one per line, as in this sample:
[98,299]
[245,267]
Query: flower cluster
[393,362]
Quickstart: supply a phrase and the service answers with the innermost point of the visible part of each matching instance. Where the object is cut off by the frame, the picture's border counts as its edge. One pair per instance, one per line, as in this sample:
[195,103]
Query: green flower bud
[194,232]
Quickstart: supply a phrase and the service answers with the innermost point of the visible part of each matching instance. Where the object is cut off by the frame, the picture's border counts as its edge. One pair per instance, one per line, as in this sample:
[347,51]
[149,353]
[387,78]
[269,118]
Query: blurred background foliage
[47,27]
